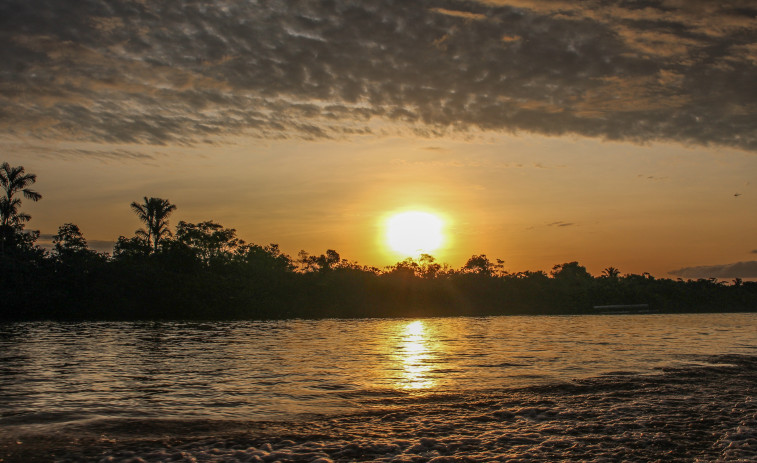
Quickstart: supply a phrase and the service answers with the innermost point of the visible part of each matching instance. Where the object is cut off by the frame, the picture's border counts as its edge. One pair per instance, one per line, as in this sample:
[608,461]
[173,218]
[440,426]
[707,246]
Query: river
[403,389]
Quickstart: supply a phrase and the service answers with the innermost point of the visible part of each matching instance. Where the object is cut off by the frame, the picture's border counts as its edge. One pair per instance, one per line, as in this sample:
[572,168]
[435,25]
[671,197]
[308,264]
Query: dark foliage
[206,272]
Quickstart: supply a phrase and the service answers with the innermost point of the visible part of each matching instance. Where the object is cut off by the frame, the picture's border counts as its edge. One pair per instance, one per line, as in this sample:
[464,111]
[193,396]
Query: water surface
[58,373]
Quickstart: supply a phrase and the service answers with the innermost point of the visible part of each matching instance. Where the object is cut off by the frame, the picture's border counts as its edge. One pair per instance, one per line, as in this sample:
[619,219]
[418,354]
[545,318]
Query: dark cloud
[104,155]
[189,71]
[737,270]
[559,223]
[651,177]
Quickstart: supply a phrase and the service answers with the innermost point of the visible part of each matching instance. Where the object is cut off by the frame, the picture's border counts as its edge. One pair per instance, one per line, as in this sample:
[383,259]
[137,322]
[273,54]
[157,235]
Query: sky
[612,133]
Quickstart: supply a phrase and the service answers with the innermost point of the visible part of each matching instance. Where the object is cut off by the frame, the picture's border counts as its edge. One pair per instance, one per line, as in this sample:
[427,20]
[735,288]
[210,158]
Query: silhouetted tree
[537,275]
[268,258]
[70,247]
[570,271]
[129,248]
[69,240]
[322,263]
[573,285]
[208,240]
[428,267]
[330,260]
[14,180]
[611,272]
[154,213]
[479,264]
[405,268]
[306,264]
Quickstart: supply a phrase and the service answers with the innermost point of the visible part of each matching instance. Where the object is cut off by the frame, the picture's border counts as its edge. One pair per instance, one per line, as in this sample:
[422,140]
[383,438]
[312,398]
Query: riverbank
[266,285]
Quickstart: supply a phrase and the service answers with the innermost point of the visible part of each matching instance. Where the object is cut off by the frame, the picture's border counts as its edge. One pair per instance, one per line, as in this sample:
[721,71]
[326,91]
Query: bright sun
[413,233]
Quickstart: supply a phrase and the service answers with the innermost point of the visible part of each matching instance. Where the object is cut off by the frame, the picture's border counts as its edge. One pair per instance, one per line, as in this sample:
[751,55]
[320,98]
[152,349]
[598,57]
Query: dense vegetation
[203,271]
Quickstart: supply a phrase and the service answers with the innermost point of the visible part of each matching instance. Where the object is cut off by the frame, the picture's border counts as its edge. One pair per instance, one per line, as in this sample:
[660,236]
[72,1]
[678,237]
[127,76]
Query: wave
[700,410]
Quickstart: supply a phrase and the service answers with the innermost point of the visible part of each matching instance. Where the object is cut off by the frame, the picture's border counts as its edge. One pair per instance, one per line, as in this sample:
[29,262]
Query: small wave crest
[690,412]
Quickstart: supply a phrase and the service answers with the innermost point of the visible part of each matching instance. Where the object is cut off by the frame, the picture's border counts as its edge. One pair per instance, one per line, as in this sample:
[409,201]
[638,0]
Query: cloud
[459,14]
[128,71]
[737,270]
[651,177]
[559,223]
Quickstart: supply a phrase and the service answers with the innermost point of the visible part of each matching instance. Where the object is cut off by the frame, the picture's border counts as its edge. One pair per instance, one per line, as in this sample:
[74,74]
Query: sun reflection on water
[415,357]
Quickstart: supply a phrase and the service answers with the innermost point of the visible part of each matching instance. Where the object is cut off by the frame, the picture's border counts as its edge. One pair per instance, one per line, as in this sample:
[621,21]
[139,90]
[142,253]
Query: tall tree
[154,213]
[13,180]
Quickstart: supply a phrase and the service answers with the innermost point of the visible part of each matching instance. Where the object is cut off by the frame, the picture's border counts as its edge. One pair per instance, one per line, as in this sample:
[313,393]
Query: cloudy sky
[613,133]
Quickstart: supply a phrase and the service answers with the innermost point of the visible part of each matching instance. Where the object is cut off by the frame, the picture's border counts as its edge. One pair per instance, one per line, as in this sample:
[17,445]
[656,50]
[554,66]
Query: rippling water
[56,373]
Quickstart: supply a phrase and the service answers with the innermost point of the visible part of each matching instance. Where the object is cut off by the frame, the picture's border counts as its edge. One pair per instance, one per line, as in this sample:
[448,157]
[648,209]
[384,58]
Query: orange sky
[542,132]
[532,201]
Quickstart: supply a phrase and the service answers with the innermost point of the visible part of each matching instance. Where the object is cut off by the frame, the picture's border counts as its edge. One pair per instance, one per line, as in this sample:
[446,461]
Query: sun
[414,233]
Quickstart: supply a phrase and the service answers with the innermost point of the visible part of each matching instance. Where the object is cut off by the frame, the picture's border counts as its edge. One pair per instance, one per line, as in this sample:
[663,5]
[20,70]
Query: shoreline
[424,315]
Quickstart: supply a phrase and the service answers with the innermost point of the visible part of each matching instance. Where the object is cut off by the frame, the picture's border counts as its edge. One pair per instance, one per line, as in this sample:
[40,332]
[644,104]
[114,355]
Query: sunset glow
[413,233]
[350,230]
[608,134]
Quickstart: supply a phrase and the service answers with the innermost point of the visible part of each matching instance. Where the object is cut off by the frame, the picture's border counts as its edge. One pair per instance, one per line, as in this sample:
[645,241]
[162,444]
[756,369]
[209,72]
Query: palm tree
[611,272]
[14,180]
[154,213]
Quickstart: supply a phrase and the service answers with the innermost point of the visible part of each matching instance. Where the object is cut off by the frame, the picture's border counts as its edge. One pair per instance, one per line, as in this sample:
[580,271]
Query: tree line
[205,271]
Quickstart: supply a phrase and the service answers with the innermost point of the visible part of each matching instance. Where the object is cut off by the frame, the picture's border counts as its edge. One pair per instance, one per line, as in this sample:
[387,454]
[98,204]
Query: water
[271,370]
[58,376]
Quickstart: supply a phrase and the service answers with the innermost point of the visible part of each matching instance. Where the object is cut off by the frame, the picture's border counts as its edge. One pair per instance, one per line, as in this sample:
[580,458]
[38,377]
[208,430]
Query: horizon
[541,132]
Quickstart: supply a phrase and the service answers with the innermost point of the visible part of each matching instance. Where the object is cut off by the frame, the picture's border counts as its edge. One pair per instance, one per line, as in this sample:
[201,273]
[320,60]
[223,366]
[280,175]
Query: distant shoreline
[181,279]
[412,315]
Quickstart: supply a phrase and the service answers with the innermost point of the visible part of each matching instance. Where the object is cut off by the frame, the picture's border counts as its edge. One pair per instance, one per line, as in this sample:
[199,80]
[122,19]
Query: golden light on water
[415,328]
[413,233]
[415,357]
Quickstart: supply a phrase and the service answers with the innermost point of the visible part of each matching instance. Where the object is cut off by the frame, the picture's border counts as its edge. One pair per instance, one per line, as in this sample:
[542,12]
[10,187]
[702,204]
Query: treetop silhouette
[154,213]
[14,180]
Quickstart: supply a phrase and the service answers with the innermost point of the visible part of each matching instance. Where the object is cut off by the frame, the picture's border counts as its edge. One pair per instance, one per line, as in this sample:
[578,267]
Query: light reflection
[415,357]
